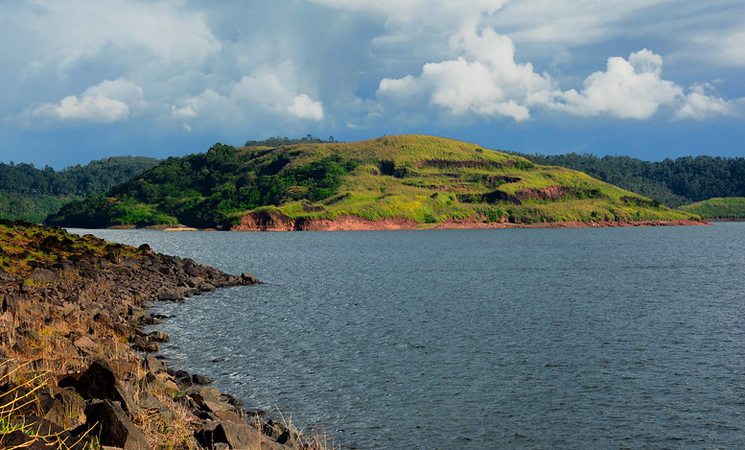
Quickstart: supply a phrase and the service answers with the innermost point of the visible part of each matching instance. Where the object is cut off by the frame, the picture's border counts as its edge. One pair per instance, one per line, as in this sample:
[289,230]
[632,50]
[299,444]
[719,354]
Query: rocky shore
[76,369]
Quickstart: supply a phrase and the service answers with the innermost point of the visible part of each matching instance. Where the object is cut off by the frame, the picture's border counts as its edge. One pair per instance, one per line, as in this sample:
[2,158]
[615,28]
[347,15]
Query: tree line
[93,178]
[28,193]
[674,183]
[277,141]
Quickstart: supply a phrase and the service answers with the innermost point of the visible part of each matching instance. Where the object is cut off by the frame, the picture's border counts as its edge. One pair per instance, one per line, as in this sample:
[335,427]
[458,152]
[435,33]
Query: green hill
[674,183]
[421,178]
[718,208]
[31,194]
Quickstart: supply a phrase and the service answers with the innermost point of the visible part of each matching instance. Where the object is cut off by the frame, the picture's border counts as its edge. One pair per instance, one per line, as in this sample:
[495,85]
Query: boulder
[206,287]
[99,382]
[113,427]
[249,279]
[169,295]
[235,435]
[19,439]
[152,364]
[201,379]
[144,344]
[158,336]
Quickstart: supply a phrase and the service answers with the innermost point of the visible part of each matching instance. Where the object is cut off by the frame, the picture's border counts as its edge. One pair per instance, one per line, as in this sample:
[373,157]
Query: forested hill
[28,193]
[671,182]
[93,178]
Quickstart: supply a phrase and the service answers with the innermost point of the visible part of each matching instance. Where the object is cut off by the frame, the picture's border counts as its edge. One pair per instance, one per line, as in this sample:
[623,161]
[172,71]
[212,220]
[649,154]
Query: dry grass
[317,440]
[22,401]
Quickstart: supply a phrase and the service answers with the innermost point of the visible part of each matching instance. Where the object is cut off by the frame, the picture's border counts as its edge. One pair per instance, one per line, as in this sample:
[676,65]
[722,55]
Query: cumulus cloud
[628,89]
[486,81]
[108,102]
[272,94]
[357,63]
[698,105]
[306,108]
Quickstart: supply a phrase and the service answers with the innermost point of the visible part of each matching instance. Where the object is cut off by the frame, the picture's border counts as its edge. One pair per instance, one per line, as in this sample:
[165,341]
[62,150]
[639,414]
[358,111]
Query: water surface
[472,339]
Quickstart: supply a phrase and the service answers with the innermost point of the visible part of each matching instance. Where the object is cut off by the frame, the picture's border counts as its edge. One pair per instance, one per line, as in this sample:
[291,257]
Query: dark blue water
[473,339]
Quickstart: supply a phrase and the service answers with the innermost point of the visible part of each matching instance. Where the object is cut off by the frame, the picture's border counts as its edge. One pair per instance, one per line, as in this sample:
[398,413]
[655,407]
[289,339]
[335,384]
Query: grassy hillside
[674,183]
[424,178]
[718,208]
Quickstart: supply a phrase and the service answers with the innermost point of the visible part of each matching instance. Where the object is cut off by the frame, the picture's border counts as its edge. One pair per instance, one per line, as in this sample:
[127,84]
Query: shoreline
[72,343]
[278,221]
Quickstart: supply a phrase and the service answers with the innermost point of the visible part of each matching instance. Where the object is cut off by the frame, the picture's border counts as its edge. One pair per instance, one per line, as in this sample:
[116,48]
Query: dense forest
[672,182]
[29,193]
[203,189]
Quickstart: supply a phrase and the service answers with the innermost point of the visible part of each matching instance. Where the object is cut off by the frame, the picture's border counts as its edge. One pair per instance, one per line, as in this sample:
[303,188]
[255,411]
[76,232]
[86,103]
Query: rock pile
[76,369]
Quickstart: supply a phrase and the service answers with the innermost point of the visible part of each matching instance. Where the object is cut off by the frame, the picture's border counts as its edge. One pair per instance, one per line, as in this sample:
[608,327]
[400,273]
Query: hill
[672,182]
[416,180]
[31,194]
[718,208]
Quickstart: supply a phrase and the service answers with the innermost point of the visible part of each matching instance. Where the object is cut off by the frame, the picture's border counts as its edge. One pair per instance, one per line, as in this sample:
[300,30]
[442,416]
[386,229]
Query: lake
[474,339]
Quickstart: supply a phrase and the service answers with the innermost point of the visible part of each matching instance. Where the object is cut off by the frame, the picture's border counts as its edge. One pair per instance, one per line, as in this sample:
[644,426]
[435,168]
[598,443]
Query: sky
[652,79]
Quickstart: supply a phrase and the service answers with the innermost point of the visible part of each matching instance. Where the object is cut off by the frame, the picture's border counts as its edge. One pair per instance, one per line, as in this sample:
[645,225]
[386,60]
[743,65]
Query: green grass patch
[718,208]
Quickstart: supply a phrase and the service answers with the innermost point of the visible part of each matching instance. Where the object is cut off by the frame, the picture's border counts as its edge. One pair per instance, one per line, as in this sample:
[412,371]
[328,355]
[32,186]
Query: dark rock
[206,287]
[99,382]
[201,380]
[113,427]
[143,344]
[249,279]
[168,295]
[151,320]
[280,433]
[152,364]
[234,434]
[144,248]
[19,439]
[158,336]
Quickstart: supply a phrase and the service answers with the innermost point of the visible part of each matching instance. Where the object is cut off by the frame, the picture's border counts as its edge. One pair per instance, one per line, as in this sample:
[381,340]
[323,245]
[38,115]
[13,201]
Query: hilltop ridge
[420,181]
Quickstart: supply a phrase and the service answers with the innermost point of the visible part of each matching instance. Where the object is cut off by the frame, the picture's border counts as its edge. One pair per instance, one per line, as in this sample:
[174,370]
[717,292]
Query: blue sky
[87,79]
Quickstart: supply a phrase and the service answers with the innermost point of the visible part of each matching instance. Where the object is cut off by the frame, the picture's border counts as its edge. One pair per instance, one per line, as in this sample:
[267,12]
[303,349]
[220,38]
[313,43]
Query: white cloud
[628,89]
[306,108]
[271,95]
[568,22]
[697,105]
[486,81]
[721,47]
[108,102]
[162,31]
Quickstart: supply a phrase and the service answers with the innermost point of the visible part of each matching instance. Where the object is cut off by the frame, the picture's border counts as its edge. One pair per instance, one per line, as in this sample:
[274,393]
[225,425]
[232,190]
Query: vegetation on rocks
[425,179]
[76,369]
